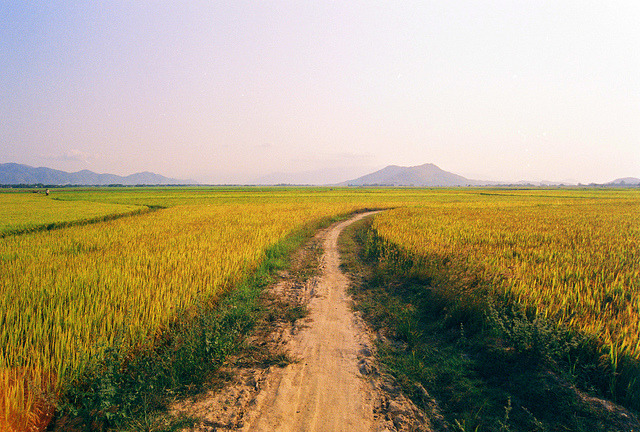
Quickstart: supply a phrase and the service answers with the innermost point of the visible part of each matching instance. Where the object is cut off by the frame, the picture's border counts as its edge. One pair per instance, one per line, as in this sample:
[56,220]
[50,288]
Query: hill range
[18,174]
[426,175]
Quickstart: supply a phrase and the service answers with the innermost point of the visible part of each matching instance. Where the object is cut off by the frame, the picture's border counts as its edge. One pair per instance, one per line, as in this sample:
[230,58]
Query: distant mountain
[626,181]
[426,175]
[15,174]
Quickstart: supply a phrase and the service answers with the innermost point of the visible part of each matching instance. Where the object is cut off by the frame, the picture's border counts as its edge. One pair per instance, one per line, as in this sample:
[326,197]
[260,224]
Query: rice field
[25,211]
[66,294]
[573,260]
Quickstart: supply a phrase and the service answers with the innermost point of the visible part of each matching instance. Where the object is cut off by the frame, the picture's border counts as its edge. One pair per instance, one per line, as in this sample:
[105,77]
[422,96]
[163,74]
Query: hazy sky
[230,91]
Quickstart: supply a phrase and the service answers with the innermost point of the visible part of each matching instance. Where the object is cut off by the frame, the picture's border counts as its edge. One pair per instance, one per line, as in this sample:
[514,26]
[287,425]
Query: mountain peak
[425,175]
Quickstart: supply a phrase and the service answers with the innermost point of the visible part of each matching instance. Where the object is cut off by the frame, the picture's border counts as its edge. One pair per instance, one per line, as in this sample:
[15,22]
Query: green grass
[483,377]
[22,212]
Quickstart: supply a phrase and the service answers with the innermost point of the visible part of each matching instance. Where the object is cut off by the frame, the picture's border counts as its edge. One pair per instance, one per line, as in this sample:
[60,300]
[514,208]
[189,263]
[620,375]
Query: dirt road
[333,384]
[324,390]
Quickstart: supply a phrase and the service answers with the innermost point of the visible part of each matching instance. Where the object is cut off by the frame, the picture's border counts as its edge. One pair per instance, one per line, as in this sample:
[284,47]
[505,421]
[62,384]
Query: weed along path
[332,382]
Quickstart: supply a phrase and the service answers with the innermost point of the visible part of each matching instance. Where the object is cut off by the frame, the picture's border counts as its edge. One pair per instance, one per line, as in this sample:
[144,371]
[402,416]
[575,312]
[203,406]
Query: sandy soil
[333,383]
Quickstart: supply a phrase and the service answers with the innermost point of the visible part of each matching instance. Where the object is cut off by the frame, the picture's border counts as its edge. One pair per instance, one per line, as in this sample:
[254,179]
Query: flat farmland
[68,293]
[574,262]
[568,262]
[23,212]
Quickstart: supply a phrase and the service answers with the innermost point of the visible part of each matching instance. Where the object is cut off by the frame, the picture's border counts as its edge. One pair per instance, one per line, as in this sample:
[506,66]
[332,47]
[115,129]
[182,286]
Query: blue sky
[235,91]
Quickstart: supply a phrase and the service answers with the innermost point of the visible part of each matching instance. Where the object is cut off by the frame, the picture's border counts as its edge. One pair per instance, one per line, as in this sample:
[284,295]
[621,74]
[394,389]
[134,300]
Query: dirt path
[333,383]
[323,390]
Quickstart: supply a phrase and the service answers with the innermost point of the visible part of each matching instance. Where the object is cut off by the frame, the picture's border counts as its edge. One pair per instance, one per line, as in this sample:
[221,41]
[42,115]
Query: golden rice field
[66,294]
[576,260]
